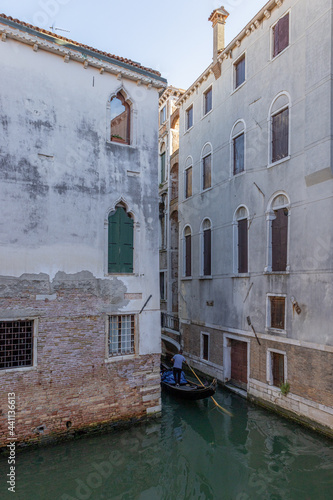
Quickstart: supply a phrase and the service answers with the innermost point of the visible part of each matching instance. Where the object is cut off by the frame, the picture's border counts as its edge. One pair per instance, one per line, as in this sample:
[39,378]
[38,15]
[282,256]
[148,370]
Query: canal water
[192,452]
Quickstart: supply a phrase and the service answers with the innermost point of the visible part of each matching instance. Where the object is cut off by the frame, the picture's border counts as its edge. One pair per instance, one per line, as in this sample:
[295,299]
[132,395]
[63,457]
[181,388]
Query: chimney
[218,18]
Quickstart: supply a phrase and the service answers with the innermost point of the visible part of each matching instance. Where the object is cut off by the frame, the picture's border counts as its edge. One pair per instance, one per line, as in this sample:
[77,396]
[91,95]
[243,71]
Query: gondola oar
[211,397]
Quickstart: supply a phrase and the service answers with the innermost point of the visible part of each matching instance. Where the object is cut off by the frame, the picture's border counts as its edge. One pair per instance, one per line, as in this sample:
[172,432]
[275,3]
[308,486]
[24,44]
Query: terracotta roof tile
[64,39]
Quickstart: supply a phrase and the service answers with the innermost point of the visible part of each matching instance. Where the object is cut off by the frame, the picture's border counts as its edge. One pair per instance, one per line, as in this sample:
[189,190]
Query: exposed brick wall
[310,372]
[192,339]
[72,383]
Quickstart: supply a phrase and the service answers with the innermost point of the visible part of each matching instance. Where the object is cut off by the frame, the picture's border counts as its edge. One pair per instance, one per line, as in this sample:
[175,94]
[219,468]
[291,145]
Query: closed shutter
[279,240]
[238,357]
[280,135]
[240,72]
[283,32]
[188,180]
[239,154]
[120,258]
[207,236]
[278,368]
[242,246]
[278,312]
[188,269]
[162,167]
[281,35]
[206,172]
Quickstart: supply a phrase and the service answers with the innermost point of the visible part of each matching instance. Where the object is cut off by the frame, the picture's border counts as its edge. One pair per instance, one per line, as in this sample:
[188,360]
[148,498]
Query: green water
[192,452]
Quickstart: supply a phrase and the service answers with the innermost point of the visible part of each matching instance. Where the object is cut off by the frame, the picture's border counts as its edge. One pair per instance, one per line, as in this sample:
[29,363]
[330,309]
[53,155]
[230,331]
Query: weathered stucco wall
[60,176]
[220,304]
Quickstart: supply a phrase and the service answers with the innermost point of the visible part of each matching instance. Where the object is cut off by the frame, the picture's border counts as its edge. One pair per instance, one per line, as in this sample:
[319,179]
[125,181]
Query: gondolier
[178,361]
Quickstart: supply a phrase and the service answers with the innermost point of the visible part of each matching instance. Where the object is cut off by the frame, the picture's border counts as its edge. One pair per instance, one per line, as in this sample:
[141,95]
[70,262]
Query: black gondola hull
[190,391]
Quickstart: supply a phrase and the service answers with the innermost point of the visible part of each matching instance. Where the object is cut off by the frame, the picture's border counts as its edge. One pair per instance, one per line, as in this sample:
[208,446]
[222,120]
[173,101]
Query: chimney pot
[218,18]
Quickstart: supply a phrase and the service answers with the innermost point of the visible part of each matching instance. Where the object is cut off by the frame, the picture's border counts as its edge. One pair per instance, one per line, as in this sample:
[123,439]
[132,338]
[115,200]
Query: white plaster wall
[53,207]
[304,72]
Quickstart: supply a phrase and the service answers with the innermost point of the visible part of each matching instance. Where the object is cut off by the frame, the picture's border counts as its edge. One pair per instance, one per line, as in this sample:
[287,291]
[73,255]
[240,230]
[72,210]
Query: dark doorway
[239,363]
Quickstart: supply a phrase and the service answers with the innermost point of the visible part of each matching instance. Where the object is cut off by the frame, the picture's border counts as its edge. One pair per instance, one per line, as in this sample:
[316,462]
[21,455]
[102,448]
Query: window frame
[202,346]
[163,115]
[187,125]
[270,216]
[33,365]
[204,156]
[207,92]
[272,114]
[240,58]
[118,357]
[162,167]
[163,297]
[186,246]
[287,13]
[269,327]
[236,258]
[186,184]
[203,242]
[130,215]
[122,97]
[269,366]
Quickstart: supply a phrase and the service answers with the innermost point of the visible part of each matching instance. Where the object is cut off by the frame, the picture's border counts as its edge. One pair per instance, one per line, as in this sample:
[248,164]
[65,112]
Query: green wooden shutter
[120,257]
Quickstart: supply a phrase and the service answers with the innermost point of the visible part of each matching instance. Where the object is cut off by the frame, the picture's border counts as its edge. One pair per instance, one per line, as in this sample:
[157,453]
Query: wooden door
[239,363]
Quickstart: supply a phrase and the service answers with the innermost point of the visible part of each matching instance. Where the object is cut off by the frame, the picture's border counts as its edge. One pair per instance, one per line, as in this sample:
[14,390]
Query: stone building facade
[255,194]
[168,216]
[79,295]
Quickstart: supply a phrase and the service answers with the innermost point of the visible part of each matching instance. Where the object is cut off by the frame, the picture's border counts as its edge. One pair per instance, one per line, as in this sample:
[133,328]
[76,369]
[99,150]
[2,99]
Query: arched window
[188,178]
[238,148]
[277,216]
[206,167]
[240,225]
[206,248]
[279,128]
[187,252]
[120,241]
[120,119]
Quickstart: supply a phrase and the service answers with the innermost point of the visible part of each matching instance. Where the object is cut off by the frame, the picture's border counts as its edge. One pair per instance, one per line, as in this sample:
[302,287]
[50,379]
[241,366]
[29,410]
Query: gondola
[187,390]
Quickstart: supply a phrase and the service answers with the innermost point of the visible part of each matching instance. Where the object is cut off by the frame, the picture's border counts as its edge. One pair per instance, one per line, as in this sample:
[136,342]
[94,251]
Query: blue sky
[173,37]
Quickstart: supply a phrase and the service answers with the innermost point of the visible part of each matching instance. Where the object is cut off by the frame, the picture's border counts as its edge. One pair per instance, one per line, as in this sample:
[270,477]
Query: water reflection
[192,452]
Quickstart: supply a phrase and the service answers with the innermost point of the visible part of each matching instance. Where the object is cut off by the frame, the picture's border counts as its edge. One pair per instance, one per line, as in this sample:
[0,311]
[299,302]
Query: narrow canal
[192,452]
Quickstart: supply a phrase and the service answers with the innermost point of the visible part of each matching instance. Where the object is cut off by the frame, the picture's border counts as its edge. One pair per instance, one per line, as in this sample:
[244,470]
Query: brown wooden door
[239,363]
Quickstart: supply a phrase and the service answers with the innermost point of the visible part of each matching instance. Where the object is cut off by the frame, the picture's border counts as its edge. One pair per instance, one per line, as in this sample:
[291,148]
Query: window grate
[121,335]
[16,344]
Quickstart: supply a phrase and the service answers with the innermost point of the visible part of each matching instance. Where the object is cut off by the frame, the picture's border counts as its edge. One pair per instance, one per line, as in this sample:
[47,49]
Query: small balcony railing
[169,321]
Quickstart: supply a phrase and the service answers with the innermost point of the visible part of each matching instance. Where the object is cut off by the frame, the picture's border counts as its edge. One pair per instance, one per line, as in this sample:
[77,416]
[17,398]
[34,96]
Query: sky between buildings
[173,36]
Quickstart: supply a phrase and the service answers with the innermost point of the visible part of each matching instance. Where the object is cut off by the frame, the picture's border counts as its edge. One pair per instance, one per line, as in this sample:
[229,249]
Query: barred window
[121,335]
[16,344]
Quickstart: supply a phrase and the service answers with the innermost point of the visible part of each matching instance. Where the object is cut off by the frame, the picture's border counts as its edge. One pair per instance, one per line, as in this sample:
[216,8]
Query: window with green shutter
[120,248]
